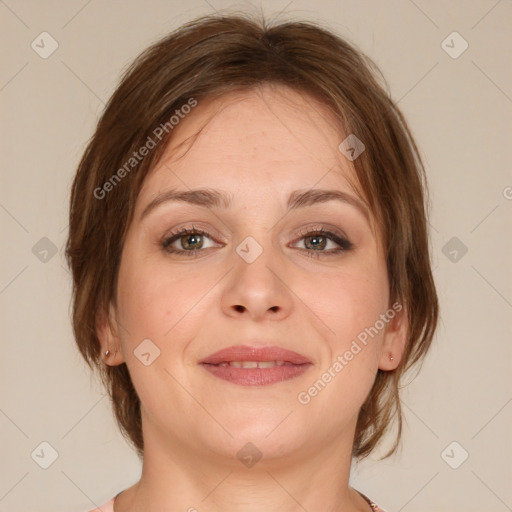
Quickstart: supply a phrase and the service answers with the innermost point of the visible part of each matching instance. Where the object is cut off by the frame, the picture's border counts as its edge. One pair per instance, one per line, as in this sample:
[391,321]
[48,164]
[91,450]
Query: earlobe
[395,340]
[107,332]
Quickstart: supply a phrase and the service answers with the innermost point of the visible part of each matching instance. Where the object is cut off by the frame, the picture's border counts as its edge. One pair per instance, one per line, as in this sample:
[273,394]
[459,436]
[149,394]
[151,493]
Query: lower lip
[257,376]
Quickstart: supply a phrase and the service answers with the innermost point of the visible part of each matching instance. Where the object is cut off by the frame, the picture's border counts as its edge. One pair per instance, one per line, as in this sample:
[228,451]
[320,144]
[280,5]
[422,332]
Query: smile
[256,366]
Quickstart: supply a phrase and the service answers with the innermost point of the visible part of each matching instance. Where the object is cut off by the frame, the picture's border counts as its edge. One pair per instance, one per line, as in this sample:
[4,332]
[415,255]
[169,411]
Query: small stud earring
[107,353]
[391,358]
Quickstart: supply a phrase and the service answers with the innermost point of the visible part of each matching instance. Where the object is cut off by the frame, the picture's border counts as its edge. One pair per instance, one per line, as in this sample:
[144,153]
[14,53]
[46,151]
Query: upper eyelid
[317,229]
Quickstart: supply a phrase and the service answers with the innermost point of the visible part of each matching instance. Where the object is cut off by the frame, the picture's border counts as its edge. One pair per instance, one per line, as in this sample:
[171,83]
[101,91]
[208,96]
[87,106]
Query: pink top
[374,506]
[109,506]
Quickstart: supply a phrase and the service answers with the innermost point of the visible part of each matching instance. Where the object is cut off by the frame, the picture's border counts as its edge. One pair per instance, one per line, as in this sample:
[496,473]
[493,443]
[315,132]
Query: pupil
[315,239]
[188,243]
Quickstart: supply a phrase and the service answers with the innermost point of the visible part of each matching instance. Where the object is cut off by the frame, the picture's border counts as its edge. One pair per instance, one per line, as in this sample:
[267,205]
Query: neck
[176,477]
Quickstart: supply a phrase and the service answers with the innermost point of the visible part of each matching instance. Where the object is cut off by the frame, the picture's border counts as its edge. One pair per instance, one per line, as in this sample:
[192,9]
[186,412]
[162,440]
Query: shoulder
[106,507]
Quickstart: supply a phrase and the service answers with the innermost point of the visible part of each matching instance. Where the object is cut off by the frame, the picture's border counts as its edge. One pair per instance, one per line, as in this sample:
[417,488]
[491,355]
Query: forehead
[268,138]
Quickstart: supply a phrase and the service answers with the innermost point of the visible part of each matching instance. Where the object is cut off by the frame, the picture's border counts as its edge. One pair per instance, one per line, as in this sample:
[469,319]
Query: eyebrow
[211,198]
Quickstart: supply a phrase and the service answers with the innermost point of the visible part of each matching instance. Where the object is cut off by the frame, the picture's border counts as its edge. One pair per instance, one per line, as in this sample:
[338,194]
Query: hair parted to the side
[212,56]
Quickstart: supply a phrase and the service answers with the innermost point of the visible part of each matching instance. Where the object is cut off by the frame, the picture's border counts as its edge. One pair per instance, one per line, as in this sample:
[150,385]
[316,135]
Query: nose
[258,289]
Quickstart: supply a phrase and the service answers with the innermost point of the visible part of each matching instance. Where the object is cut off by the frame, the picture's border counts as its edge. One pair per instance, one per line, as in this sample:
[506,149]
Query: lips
[255,366]
[247,353]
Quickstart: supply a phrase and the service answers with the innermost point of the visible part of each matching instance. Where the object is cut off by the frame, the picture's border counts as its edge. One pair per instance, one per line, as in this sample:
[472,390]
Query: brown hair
[215,55]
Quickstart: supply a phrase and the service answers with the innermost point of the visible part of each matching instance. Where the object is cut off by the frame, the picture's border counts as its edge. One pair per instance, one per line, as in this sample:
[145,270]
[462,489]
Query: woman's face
[253,272]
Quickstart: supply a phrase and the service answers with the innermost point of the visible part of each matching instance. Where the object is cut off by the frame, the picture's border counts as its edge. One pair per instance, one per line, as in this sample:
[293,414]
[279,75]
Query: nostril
[239,308]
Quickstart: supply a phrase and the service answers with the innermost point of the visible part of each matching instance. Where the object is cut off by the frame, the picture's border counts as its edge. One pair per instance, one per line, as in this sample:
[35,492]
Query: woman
[251,269]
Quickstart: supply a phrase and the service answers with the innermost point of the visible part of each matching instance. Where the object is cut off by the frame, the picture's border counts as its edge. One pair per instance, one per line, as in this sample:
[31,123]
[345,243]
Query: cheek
[349,306]
[347,301]
[157,303]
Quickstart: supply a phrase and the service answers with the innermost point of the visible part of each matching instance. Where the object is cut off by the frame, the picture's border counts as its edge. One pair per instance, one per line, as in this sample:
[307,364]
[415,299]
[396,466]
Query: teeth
[252,364]
[266,364]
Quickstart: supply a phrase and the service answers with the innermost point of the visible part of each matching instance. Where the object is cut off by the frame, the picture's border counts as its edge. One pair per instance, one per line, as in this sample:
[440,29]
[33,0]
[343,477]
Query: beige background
[459,110]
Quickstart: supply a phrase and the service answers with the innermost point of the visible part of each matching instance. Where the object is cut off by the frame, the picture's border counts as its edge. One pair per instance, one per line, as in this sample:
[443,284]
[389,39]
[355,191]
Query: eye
[324,243]
[188,240]
[316,242]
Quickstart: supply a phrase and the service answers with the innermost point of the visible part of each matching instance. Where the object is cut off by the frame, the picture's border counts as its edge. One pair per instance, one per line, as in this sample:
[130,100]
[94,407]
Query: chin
[258,431]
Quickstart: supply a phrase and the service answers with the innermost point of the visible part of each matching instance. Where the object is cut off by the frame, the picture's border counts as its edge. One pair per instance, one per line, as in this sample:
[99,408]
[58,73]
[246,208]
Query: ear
[395,339]
[108,334]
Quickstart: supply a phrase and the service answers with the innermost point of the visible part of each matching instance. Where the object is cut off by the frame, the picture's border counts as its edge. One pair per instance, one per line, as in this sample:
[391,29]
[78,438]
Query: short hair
[213,56]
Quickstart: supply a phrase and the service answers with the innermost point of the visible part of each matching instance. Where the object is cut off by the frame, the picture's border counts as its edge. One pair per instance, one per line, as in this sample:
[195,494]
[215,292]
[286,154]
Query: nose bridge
[256,286]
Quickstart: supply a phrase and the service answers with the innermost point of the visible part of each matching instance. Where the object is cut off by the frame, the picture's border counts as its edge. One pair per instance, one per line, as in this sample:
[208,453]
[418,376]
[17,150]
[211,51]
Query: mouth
[256,366]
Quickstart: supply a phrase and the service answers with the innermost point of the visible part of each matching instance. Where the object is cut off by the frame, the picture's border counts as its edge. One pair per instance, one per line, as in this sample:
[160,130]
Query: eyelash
[344,243]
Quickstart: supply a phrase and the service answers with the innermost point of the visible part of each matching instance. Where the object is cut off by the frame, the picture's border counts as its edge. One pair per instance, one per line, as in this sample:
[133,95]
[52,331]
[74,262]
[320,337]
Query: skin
[259,146]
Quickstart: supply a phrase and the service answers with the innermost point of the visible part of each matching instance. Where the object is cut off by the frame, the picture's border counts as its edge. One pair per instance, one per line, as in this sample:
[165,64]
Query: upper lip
[253,353]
